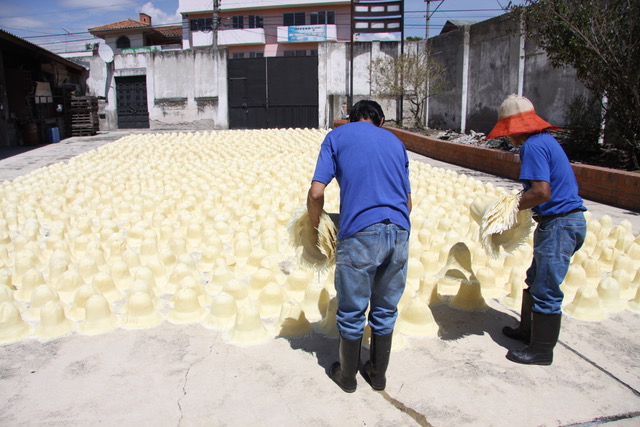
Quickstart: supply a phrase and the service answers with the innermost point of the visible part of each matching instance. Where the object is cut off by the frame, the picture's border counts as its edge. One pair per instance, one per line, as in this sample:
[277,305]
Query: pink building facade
[266,28]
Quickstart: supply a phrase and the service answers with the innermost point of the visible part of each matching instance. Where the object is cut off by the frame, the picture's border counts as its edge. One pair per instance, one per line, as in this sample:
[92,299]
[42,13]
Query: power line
[266,16]
[273,16]
[53,12]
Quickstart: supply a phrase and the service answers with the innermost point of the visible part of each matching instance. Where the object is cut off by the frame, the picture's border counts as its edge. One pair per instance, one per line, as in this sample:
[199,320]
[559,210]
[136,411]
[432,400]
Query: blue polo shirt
[372,170]
[543,159]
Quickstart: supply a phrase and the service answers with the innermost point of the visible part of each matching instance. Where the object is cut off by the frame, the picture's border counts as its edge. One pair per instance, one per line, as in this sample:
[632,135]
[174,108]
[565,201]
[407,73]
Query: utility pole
[426,47]
[426,33]
[352,41]
[214,24]
[400,109]
[428,51]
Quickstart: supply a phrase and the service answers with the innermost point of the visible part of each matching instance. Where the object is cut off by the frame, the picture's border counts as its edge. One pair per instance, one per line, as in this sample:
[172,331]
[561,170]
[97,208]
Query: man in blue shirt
[551,192]
[372,169]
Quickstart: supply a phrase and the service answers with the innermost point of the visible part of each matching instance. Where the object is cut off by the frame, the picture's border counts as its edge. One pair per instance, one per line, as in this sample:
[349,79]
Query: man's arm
[315,202]
[539,192]
[409,202]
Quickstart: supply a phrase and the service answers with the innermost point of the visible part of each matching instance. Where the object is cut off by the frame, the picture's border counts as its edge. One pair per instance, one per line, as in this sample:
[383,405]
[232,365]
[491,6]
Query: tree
[414,76]
[601,40]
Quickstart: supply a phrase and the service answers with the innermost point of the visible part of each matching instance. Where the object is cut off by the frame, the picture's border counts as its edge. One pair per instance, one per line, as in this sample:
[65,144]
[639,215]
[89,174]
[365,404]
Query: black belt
[539,218]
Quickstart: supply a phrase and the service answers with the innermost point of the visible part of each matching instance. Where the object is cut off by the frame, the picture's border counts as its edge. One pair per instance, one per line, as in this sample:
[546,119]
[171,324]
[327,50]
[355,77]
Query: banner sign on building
[141,49]
[377,16]
[307,33]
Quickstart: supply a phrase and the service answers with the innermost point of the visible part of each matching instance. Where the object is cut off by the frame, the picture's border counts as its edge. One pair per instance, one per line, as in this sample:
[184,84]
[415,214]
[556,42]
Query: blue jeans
[371,267]
[554,243]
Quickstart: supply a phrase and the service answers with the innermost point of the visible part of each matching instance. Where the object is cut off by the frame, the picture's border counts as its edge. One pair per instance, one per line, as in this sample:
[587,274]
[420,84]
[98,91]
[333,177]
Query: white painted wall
[186,89]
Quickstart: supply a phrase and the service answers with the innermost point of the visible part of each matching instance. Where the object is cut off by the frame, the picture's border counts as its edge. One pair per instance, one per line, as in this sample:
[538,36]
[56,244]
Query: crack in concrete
[417,416]
[602,420]
[184,393]
[184,385]
[600,368]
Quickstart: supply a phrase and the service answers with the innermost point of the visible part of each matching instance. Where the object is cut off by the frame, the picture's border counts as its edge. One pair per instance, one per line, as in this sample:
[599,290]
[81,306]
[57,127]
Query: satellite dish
[105,52]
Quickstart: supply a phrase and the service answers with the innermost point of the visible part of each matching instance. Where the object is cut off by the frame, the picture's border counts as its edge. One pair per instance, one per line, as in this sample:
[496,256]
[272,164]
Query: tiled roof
[120,25]
[172,31]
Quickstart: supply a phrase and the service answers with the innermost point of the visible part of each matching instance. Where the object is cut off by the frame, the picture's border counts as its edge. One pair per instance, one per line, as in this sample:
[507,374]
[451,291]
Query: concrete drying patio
[174,375]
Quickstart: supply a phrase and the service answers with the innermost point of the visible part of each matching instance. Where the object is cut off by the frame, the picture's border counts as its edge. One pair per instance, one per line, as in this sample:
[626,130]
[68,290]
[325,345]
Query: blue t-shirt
[543,159]
[372,170]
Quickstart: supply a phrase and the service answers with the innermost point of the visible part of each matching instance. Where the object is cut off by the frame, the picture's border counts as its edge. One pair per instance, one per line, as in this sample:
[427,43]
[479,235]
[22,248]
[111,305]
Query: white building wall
[185,89]
[186,6]
[334,79]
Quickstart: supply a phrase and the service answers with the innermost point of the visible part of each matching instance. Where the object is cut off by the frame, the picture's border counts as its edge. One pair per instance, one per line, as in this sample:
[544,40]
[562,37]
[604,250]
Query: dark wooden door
[131,95]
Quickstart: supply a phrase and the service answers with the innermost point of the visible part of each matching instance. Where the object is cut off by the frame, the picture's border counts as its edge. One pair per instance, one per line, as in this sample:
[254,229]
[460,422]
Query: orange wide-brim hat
[517,115]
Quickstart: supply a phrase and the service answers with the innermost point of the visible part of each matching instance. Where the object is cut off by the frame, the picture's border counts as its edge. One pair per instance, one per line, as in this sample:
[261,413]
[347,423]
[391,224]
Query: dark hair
[367,110]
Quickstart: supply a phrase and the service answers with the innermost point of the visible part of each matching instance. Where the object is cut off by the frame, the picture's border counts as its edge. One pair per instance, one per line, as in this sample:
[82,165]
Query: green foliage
[414,39]
[582,130]
[601,40]
[415,76]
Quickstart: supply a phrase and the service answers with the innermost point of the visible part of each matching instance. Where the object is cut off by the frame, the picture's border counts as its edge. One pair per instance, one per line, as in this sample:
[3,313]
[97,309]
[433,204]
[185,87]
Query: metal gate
[131,98]
[274,92]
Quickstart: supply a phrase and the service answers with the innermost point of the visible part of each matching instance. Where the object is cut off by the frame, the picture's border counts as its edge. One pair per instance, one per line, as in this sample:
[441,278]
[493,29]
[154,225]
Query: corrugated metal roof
[19,41]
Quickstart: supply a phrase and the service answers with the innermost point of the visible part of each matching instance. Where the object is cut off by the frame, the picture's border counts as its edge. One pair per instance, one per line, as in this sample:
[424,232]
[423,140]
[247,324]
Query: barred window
[201,24]
[256,21]
[123,42]
[322,17]
[238,22]
[291,18]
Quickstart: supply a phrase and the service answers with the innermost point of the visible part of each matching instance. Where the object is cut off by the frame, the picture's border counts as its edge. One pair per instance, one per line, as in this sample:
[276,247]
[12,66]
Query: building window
[256,21]
[300,52]
[313,52]
[201,24]
[322,18]
[290,19]
[238,22]
[123,42]
[238,55]
[256,54]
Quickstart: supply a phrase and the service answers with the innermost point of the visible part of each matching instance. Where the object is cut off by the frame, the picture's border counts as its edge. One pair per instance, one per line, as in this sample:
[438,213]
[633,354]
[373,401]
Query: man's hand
[315,202]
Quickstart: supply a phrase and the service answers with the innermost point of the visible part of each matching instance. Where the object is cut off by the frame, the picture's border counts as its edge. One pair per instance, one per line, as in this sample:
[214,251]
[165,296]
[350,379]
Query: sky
[61,25]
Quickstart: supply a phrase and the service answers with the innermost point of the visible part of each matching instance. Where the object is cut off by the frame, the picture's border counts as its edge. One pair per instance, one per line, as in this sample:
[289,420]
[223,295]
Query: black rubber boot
[375,369]
[344,372]
[545,330]
[523,331]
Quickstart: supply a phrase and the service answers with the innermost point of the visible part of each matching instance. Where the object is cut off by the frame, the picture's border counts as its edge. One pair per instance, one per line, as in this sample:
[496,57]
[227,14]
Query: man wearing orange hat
[551,192]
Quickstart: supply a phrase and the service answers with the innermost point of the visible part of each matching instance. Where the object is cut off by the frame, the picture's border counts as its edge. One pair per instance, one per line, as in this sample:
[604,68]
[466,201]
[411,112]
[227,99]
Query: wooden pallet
[84,115]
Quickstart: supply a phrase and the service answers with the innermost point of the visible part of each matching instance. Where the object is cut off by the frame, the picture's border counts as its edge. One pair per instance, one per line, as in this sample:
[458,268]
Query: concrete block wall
[610,186]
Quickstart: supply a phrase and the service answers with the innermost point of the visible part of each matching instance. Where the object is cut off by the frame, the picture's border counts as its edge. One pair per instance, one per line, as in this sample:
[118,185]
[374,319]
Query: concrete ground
[175,375]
